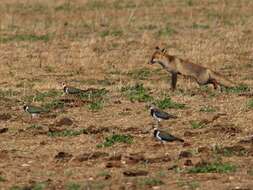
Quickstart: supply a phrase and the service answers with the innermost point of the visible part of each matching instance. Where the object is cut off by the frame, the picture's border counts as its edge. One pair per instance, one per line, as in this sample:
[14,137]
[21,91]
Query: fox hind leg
[173,81]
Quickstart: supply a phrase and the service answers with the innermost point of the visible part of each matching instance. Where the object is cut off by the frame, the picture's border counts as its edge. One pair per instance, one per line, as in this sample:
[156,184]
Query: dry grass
[107,44]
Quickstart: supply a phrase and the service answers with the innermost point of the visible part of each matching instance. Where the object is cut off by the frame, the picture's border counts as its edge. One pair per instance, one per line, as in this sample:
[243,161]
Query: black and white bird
[165,137]
[71,90]
[159,115]
[34,110]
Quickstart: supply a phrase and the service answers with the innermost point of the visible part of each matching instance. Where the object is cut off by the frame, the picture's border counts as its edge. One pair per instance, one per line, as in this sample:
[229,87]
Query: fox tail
[221,80]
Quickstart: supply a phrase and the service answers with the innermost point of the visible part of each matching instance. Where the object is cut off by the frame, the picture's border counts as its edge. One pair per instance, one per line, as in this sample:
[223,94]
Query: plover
[165,137]
[159,115]
[33,110]
[71,90]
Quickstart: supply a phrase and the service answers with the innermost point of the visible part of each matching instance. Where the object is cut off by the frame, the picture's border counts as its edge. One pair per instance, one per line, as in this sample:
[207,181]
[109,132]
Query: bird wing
[72,90]
[34,109]
[164,115]
[168,137]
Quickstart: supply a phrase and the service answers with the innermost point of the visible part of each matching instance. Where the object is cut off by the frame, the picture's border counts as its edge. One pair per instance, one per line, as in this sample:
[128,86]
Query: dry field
[102,140]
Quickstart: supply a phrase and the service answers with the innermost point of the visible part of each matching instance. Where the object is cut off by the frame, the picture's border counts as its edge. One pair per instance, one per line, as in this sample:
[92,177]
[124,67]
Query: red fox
[177,66]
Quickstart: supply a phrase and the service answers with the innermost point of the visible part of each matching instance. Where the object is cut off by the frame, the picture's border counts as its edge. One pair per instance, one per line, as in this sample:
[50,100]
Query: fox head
[158,56]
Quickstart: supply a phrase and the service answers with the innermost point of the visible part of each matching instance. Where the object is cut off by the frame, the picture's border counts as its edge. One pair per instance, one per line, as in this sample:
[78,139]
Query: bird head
[25,107]
[64,86]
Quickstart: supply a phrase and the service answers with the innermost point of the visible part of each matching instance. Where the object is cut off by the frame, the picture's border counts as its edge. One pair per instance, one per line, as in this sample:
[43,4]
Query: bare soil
[107,44]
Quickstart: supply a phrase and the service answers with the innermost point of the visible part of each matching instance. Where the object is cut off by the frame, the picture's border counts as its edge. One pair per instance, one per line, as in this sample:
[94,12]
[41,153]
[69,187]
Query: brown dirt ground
[93,42]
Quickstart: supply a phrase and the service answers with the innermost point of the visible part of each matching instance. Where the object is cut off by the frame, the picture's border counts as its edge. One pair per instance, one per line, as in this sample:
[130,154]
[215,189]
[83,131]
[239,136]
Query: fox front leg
[173,81]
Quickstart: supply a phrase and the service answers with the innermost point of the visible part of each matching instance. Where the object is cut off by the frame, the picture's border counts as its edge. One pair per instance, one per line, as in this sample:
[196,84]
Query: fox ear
[157,48]
[164,50]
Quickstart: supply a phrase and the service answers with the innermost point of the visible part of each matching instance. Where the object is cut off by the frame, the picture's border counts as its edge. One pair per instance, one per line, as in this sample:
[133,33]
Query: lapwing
[165,137]
[159,115]
[34,110]
[71,90]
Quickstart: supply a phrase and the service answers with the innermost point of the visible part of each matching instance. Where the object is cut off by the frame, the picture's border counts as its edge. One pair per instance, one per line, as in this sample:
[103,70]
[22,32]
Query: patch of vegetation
[150,182]
[238,89]
[111,140]
[54,104]
[216,167]
[36,186]
[166,31]
[8,93]
[230,151]
[119,4]
[140,74]
[103,174]
[96,97]
[2,179]
[250,172]
[73,186]
[96,105]
[250,104]
[115,33]
[207,109]
[200,26]
[25,37]
[137,93]
[41,96]
[16,188]
[93,94]
[189,3]
[64,7]
[96,4]
[148,27]
[66,133]
[192,185]
[49,69]
[167,103]
[196,125]
[34,126]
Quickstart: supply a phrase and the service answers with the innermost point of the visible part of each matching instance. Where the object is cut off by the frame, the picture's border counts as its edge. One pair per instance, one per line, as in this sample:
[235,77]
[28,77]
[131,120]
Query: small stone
[3,130]
[188,162]
[133,173]
[185,154]
[64,121]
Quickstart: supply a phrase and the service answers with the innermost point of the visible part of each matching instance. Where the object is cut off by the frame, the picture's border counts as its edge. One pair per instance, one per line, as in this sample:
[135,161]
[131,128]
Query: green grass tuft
[34,126]
[166,31]
[230,151]
[250,104]
[2,179]
[192,185]
[140,74]
[196,125]
[215,167]
[150,182]
[66,133]
[54,104]
[73,186]
[25,37]
[200,26]
[96,105]
[41,96]
[207,109]
[96,98]
[137,93]
[168,103]
[8,93]
[115,33]
[238,89]
[111,140]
